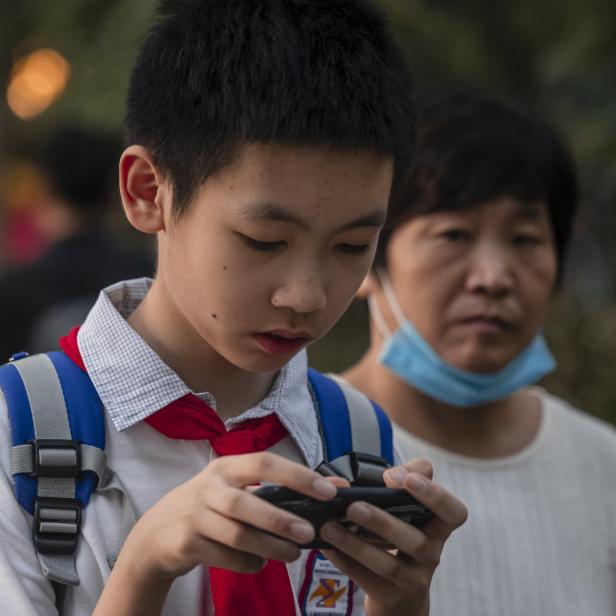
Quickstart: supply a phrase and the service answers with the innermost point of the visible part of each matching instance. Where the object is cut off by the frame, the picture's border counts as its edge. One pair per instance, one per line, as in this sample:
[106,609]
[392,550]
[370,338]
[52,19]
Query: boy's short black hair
[472,149]
[215,74]
[81,165]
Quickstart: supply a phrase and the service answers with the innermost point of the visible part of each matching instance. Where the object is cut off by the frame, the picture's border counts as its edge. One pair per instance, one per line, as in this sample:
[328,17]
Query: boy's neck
[491,431]
[202,369]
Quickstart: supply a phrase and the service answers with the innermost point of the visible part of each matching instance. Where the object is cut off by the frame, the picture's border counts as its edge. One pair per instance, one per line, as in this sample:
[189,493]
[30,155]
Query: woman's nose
[490,272]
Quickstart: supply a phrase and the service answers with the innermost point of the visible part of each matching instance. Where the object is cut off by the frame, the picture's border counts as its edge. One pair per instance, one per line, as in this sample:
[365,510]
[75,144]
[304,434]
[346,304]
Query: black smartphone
[398,503]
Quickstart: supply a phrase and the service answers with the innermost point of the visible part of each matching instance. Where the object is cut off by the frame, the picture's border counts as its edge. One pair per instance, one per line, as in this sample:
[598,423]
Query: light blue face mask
[408,355]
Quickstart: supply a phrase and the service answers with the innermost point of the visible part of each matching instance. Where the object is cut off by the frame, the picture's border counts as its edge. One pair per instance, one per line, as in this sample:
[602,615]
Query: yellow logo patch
[326,591]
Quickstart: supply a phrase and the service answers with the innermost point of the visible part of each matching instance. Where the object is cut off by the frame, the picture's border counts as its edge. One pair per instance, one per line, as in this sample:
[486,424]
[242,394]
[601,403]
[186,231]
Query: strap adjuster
[367,469]
[327,469]
[360,469]
[57,525]
[56,458]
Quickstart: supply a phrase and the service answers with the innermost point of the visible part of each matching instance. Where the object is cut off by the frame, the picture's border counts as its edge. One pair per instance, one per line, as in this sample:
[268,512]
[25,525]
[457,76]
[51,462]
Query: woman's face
[474,282]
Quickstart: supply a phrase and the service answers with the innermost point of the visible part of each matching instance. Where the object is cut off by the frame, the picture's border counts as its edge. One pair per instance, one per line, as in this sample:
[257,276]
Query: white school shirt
[133,382]
[540,539]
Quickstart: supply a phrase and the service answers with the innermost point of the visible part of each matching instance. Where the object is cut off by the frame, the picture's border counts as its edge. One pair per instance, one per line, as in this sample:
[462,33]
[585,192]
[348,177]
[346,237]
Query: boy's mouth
[282,342]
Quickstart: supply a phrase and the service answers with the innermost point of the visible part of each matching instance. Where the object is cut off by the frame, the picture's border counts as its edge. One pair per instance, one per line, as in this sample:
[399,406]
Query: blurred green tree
[556,58]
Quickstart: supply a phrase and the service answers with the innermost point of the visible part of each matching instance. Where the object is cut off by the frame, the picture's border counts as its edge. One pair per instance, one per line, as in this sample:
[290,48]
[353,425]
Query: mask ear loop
[377,317]
[390,296]
[392,302]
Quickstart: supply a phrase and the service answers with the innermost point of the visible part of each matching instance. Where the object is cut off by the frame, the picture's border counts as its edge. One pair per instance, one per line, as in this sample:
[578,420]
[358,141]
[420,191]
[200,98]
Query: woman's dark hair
[472,149]
[215,74]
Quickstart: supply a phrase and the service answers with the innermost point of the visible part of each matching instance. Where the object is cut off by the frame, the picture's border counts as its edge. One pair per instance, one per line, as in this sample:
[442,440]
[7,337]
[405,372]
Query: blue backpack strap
[57,456]
[333,413]
[356,433]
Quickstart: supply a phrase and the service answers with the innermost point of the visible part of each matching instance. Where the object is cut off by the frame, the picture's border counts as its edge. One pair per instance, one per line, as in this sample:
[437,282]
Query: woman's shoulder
[580,426]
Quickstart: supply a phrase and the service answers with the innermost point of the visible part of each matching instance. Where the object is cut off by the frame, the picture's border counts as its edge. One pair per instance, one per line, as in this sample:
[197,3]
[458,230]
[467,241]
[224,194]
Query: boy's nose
[303,296]
[490,272]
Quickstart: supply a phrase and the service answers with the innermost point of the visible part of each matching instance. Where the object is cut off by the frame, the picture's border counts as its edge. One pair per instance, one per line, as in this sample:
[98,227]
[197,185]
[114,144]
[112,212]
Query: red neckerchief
[264,593]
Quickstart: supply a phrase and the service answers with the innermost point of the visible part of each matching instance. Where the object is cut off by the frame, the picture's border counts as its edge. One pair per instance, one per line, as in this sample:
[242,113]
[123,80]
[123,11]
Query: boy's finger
[405,537]
[339,482]
[246,539]
[247,508]
[449,511]
[254,468]
[219,555]
[370,583]
[395,477]
[379,566]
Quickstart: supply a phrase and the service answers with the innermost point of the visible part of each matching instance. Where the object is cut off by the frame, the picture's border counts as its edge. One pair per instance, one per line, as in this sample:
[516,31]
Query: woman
[458,297]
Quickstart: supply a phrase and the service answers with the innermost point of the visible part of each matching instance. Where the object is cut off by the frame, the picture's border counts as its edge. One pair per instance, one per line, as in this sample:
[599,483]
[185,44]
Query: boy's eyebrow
[273,211]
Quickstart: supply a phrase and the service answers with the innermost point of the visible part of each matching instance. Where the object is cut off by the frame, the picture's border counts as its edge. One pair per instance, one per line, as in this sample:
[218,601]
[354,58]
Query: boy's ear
[369,285]
[142,189]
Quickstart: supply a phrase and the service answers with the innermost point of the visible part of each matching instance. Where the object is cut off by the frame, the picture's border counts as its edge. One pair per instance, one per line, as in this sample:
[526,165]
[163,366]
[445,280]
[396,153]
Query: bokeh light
[36,82]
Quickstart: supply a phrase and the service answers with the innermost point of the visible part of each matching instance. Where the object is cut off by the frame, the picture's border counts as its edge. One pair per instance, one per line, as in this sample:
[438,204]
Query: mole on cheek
[214,316]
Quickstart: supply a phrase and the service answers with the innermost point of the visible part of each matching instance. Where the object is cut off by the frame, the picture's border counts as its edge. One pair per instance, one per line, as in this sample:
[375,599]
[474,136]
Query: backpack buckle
[57,524]
[360,469]
[56,458]
[367,469]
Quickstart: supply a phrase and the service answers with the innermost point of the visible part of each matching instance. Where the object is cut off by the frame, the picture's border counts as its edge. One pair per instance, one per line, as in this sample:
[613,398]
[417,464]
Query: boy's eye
[353,249]
[261,246]
[456,235]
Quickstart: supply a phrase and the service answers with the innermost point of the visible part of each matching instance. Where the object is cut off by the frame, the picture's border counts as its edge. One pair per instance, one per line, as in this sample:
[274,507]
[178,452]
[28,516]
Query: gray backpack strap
[364,464]
[62,516]
[356,433]
[364,425]
[49,395]
[111,483]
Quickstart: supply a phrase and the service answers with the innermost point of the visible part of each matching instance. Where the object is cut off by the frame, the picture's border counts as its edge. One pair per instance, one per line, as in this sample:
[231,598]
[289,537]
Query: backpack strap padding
[49,414]
[75,398]
[356,433]
[22,429]
[367,420]
[85,409]
[386,433]
[58,435]
[364,423]
[333,413]
[48,397]
[51,423]
[87,422]
[49,420]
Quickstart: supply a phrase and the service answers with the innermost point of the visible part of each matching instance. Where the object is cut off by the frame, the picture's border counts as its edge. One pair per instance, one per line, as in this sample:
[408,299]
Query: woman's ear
[368,286]
[144,193]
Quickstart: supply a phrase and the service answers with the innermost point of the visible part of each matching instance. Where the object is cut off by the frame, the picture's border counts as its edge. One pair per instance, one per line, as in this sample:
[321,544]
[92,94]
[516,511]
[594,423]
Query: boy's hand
[397,582]
[212,520]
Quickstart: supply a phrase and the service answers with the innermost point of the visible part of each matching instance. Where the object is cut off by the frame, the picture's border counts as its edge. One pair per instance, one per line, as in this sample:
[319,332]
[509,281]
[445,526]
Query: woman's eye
[354,249]
[262,246]
[456,235]
[525,239]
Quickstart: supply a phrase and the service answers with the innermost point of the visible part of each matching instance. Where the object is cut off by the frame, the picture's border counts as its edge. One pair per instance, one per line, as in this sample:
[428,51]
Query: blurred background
[66,64]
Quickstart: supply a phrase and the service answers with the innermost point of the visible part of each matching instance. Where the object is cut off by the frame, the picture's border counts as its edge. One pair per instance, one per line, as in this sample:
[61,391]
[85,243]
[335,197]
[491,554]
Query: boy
[265,136]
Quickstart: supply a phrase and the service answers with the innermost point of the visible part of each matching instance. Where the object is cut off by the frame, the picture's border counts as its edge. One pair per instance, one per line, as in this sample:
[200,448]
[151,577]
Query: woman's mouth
[487,325]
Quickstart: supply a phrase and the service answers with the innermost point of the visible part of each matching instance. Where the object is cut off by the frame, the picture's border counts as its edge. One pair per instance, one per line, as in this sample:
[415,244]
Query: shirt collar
[133,382]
